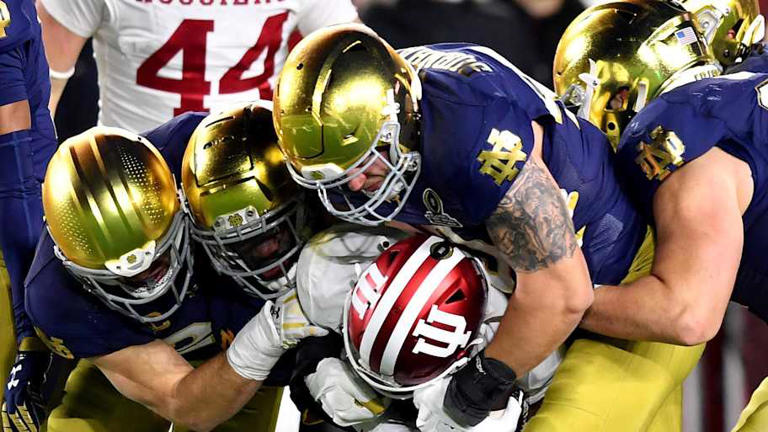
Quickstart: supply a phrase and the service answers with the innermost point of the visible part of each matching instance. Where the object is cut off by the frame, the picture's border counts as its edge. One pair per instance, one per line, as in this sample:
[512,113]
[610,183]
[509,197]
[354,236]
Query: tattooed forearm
[531,224]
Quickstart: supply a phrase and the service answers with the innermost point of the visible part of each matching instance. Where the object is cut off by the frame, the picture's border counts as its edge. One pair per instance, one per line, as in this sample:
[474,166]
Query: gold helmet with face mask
[246,211]
[112,209]
[730,27]
[616,57]
[344,101]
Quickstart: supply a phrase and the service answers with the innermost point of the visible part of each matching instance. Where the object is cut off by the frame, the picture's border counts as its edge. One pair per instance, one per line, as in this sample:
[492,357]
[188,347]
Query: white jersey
[160,58]
[331,262]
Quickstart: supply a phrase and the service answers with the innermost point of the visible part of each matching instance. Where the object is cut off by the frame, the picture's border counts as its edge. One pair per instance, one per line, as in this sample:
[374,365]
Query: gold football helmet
[729,26]
[246,211]
[616,57]
[112,209]
[343,97]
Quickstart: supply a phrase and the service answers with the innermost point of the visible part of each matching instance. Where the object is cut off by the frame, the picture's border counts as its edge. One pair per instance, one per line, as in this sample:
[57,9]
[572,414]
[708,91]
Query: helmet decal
[414,314]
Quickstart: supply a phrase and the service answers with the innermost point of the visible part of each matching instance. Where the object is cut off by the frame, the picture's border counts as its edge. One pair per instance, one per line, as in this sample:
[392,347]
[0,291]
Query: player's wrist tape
[256,347]
[482,386]
[67,74]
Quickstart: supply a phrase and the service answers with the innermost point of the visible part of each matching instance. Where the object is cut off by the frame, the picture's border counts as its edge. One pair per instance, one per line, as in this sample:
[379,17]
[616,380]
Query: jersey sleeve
[18,23]
[72,322]
[477,114]
[330,264]
[478,141]
[315,14]
[757,62]
[664,136]
[503,148]
[81,17]
[171,138]
[12,81]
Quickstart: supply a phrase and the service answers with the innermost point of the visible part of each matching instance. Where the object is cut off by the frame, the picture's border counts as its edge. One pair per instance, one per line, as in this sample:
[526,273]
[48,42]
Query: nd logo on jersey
[659,158]
[5,19]
[452,339]
[500,162]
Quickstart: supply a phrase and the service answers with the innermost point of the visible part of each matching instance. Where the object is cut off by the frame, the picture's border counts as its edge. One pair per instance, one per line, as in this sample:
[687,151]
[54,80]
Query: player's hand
[277,327]
[483,385]
[346,398]
[433,417]
[291,322]
[429,401]
[24,406]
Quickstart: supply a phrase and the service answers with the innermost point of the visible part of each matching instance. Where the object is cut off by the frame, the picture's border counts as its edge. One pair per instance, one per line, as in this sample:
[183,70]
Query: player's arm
[156,376]
[698,212]
[62,47]
[532,227]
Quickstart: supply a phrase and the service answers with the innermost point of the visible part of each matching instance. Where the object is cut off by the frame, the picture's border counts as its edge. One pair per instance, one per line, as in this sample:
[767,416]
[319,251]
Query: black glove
[482,386]
[24,406]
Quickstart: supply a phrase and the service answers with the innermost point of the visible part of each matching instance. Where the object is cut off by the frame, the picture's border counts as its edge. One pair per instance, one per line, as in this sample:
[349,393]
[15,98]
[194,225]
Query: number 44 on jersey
[190,38]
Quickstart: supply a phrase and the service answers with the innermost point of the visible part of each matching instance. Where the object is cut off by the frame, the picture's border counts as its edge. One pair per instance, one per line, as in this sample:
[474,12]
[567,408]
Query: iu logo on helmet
[367,291]
[453,340]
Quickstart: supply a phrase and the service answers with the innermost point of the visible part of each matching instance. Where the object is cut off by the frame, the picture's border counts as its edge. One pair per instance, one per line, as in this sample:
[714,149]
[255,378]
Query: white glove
[346,398]
[276,328]
[433,418]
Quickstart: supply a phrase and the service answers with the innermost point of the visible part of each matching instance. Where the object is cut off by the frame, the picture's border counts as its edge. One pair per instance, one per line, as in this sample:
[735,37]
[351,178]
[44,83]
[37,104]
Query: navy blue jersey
[756,61]
[18,23]
[729,112]
[76,323]
[24,72]
[476,129]
[24,154]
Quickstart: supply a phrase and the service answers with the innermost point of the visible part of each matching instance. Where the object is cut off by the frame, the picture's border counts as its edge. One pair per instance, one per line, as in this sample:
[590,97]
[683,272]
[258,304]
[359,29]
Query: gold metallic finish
[31,343]
[6,420]
[725,24]
[106,193]
[232,162]
[333,96]
[639,49]
[5,19]
[27,417]
[664,152]
[377,406]
[18,422]
[56,345]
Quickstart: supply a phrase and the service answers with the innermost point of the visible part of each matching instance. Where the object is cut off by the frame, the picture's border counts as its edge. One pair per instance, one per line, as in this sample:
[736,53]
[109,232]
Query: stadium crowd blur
[526,32]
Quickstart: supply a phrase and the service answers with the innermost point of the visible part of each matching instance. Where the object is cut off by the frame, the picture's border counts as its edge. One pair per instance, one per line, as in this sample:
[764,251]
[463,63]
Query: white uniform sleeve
[330,264]
[315,14]
[81,17]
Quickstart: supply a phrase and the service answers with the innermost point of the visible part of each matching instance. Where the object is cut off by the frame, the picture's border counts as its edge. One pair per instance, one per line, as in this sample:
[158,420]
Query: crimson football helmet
[414,315]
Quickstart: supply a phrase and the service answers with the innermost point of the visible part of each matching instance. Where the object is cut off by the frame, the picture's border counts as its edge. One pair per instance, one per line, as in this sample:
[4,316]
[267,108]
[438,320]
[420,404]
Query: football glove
[482,386]
[277,327]
[346,398]
[24,406]
[432,416]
